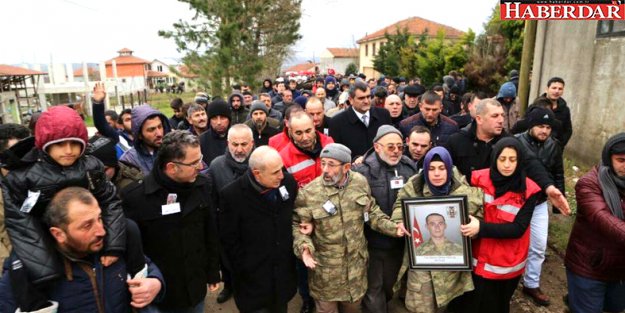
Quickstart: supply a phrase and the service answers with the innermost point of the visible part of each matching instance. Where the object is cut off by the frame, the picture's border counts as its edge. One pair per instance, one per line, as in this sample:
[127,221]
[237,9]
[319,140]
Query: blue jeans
[198,308]
[539,227]
[589,295]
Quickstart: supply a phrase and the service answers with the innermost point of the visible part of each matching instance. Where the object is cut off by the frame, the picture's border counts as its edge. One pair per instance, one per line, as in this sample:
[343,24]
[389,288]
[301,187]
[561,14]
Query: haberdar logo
[562,10]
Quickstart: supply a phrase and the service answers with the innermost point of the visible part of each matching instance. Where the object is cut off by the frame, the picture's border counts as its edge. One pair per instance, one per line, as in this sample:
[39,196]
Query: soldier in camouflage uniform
[337,204]
[438,244]
[430,291]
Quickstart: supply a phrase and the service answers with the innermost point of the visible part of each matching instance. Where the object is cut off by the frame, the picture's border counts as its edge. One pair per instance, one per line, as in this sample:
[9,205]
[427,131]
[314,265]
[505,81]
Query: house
[370,44]
[592,66]
[303,69]
[158,72]
[131,71]
[337,59]
[18,93]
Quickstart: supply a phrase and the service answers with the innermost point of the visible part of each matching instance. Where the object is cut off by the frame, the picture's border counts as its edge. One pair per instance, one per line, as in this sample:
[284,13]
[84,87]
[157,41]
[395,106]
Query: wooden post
[529,41]
[132,100]
[123,100]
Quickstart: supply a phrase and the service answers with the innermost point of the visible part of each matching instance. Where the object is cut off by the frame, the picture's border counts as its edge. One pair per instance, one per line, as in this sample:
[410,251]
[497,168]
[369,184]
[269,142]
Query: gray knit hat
[385,130]
[338,152]
[258,105]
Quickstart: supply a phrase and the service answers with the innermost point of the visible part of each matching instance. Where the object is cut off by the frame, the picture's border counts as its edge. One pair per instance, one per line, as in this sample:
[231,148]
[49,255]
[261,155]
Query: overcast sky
[92,31]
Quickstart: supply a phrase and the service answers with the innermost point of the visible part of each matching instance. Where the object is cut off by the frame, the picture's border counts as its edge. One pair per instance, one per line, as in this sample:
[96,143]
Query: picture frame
[446,249]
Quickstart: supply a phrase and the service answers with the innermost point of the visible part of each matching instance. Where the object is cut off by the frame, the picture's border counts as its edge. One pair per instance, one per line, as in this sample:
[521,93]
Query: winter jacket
[440,133]
[379,176]
[279,141]
[255,232]
[447,284]
[183,245]
[303,168]
[75,291]
[221,173]
[240,115]
[347,129]
[563,114]
[212,145]
[139,156]
[262,138]
[501,258]
[595,249]
[37,177]
[273,115]
[549,153]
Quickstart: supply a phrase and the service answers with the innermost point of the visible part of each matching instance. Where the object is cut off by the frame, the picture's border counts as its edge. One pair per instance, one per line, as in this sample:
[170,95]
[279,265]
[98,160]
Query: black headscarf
[610,182]
[514,182]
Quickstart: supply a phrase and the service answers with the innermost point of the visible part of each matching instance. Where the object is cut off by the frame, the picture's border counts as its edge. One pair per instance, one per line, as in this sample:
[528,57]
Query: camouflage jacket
[447,284]
[448,248]
[338,242]
[126,174]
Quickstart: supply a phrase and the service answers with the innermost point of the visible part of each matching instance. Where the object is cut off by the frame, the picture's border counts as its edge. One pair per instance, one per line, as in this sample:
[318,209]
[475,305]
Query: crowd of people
[284,190]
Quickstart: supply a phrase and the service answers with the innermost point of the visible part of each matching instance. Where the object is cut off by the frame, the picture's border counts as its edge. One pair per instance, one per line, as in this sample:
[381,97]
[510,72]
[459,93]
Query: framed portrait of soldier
[435,241]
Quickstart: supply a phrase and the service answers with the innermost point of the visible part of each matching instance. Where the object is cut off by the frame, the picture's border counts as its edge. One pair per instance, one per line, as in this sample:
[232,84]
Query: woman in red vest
[501,239]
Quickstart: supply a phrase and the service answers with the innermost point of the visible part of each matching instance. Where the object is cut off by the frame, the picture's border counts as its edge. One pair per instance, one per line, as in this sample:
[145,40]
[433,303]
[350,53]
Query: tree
[388,59]
[236,40]
[351,69]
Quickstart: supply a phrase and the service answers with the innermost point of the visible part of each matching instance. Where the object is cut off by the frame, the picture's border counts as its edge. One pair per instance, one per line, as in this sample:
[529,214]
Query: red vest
[495,258]
[303,168]
[279,141]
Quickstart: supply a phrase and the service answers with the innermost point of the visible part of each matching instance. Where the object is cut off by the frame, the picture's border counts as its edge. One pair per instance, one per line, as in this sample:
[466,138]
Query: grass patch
[560,226]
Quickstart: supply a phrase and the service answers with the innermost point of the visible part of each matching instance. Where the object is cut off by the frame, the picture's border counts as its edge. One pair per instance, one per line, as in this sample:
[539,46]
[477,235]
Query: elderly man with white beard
[223,170]
[386,170]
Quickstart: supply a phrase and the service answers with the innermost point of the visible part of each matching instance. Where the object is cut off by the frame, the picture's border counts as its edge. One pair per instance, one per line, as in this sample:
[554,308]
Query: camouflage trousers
[420,293]
[338,306]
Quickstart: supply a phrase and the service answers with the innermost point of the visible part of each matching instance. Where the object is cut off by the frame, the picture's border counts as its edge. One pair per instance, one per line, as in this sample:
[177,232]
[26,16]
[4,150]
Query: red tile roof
[156,74]
[9,70]
[344,52]
[301,67]
[127,59]
[416,26]
[184,72]
[90,71]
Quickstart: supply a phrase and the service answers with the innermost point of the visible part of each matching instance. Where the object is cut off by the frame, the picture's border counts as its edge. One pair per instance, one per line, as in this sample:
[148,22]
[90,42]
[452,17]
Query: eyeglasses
[330,165]
[195,164]
[392,147]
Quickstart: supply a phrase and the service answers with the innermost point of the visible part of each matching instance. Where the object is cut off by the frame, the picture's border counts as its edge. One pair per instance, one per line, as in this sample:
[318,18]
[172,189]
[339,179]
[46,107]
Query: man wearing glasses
[386,170]
[337,205]
[178,231]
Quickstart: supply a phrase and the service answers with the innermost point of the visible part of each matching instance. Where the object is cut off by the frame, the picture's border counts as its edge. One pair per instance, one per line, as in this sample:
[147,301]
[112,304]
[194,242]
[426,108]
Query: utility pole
[529,41]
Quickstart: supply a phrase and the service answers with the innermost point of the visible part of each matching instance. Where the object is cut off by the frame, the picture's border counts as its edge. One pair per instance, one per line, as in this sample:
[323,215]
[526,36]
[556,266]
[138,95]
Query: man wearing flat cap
[386,170]
[337,205]
[262,126]
[539,143]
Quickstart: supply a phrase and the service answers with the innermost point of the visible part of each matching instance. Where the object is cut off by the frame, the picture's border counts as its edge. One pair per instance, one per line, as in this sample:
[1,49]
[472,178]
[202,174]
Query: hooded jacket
[37,177]
[511,110]
[239,115]
[139,156]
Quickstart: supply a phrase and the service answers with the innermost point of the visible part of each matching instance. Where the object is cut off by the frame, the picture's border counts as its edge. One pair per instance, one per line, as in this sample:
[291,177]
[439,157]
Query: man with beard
[224,170]
[213,141]
[411,99]
[272,113]
[555,89]
[538,143]
[386,170]
[280,140]
[173,210]
[247,99]
[441,127]
[337,204]
[418,143]
[238,111]
[196,115]
[261,126]
[315,108]
[393,105]
[149,126]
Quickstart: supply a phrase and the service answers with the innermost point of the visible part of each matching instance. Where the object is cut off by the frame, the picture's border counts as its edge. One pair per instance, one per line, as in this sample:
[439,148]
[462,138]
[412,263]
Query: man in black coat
[555,89]
[471,148]
[356,127]
[213,141]
[173,211]
[441,127]
[256,234]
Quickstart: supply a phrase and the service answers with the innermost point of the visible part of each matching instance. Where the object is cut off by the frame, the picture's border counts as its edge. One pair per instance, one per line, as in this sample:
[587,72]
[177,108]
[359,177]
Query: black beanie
[103,149]
[218,107]
[541,116]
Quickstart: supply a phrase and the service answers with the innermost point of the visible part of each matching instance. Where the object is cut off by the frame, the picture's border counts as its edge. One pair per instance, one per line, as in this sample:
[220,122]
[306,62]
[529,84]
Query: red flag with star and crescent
[416,233]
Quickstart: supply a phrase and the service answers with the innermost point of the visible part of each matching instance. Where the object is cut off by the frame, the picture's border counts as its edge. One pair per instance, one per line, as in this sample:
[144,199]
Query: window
[373,52]
[159,68]
[611,28]
[366,50]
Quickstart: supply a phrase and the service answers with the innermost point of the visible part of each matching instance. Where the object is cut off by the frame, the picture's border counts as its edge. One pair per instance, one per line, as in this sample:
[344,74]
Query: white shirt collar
[361,114]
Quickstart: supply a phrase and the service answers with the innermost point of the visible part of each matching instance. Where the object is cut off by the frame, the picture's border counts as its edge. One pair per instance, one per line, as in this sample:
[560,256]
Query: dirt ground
[553,281]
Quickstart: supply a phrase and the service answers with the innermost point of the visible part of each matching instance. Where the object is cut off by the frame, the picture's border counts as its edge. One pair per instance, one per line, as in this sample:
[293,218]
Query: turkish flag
[416,233]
